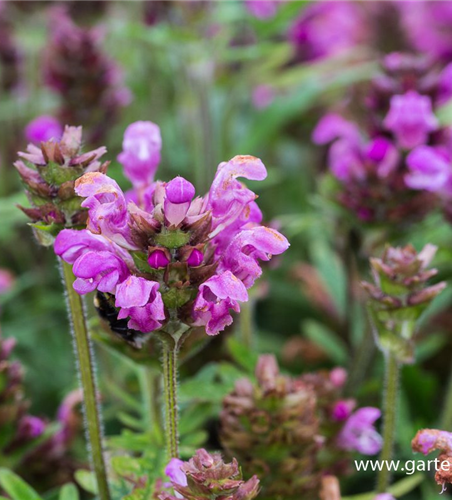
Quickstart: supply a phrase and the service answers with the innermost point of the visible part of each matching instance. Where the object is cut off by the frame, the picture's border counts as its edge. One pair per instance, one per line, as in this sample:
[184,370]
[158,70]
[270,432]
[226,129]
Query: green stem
[390,418]
[446,418]
[169,363]
[85,364]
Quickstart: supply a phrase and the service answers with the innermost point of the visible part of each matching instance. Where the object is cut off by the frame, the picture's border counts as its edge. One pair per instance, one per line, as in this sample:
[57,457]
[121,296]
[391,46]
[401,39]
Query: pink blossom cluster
[400,149]
[163,252]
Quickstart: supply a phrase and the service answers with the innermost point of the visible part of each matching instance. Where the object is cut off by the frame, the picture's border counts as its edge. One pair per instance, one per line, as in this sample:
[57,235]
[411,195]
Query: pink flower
[343,409]
[228,198]
[326,29]
[411,119]
[333,126]
[140,300]
[262,9]
[428,168]
[359,433]
[174,472]
[70,245]
[216,296]
[98,270]
[263,96]
[107,207]
[140,155]
[6,280]
[338,377]
[43,129]
[30,427]
[247,248]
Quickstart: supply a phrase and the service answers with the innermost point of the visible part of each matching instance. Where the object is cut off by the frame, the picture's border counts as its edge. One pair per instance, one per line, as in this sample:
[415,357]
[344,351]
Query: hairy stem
[169,363]
[85,364]
[390,418]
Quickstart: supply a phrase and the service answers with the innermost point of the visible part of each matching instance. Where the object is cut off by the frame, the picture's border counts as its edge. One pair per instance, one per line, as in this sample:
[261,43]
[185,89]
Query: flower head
[286,429]
[168,254]
[394,166]
[49,173]
[428,440]
[88,81]
[207,476]
[400,294]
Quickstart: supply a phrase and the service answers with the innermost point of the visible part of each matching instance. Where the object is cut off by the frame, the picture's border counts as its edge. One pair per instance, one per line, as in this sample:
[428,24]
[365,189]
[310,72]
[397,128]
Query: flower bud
[196,258]
[179,191]
[399,295]
[158,259]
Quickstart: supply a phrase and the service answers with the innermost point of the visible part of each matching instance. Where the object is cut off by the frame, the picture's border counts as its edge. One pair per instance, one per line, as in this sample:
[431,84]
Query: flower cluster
[207,476]
[326,29]
[77,69]
[397,165]
[427,24]
[49,172]
[165,255]
[290,431]
[399,295]
[428,440]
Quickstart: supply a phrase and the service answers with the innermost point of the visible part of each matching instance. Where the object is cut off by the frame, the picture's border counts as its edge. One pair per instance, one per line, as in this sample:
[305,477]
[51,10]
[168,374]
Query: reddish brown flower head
[207,476]
[49,173]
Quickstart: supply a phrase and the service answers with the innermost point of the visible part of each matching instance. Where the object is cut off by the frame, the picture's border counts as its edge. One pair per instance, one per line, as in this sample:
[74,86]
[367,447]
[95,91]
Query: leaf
[331,271]
[16,487]
[242,355]
[86,480]
[69,492]
[327,340]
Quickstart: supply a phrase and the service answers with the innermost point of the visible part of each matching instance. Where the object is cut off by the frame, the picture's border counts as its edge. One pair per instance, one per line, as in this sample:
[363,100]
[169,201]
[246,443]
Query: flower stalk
[169,365]
[85,364]
[397,296]
[392,370]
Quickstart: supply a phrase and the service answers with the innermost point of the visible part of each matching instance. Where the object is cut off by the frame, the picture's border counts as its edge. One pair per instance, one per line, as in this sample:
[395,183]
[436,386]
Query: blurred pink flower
[43,129]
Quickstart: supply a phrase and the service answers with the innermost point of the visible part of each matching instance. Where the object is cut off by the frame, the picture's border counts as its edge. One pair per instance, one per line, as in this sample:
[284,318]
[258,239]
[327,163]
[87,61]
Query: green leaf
[69,492]
[327,340]
[86,480]
[242,355]
[16,487]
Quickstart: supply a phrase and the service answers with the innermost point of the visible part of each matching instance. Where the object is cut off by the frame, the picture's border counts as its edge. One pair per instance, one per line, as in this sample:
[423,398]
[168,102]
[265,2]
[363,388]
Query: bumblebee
[105,306]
